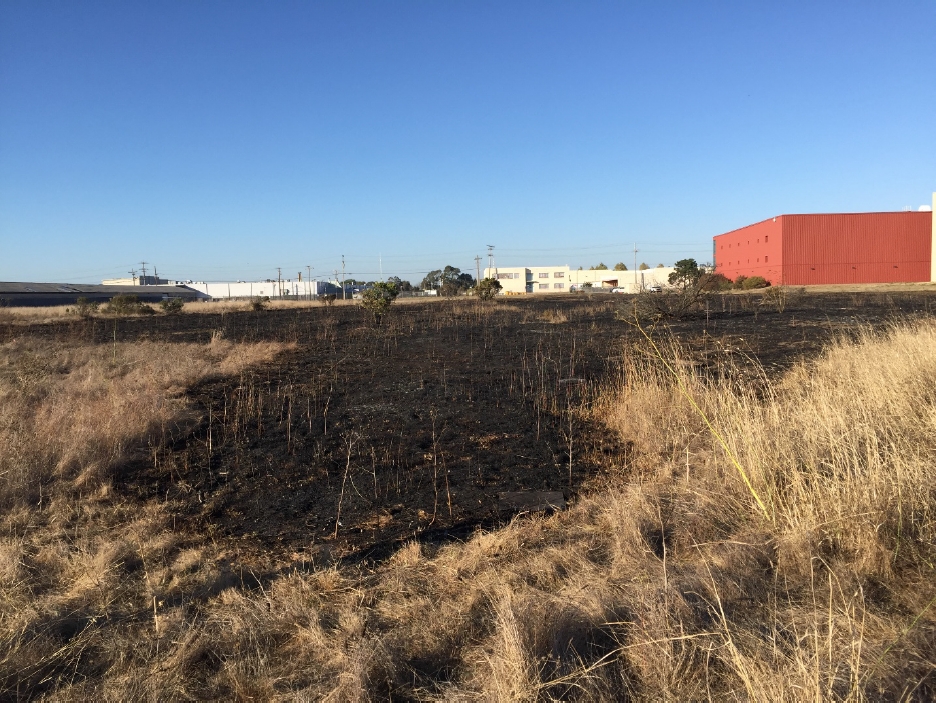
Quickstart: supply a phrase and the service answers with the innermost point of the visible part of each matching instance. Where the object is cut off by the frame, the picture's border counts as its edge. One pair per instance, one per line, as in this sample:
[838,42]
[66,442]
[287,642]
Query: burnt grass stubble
[362,438]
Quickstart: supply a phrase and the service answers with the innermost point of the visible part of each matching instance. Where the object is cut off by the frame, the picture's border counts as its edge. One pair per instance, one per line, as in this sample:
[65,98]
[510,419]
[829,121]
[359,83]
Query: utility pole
[478,269]
[490,248]
[309,281]
[279,281]
[380,259]
[635,267]
[336,278]
[342,278]
[143,280]
[132,272]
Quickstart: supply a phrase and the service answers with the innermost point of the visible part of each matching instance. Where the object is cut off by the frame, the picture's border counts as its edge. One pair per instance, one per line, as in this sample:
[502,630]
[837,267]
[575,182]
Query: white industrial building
[269,288]
[515,280]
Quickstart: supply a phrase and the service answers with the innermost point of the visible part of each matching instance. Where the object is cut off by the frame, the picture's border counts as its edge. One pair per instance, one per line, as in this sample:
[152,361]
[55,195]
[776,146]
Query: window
[765,258]
[543,275]
[502,276]
[559,274]
[765,238]
[558,285]
[543,286]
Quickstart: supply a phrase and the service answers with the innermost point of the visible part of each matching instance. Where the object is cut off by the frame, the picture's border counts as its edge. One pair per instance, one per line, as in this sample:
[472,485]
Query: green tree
[643,267]
[432,280]
[659,266]
[620,266]
[599,267]
[402,286]
[487,288]
[378,298]
[171,306]
[448,281]
[126,304]
[687,273]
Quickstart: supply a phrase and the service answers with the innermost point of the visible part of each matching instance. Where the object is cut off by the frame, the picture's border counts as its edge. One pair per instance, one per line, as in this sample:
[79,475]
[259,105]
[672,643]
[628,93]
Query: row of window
[545,286]
[766,237]
[738,263]
[505,276]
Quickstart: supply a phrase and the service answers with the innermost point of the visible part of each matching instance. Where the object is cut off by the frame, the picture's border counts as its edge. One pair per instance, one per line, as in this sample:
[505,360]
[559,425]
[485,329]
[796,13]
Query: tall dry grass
[667,581]
[78,564]
[73,411]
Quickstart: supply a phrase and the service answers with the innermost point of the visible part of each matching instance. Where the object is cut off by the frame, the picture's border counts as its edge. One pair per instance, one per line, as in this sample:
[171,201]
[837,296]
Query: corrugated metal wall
[876,247]
[755,250]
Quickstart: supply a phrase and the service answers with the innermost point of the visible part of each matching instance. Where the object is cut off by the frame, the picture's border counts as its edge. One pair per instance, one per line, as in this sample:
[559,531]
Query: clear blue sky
[220,140]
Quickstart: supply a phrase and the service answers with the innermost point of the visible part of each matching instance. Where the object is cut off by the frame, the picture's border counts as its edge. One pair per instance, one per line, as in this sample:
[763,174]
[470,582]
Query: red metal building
[872,247]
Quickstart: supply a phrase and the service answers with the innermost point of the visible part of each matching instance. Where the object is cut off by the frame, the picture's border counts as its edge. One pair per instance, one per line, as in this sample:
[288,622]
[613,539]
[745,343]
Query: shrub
[259,302]
[487,288]
[329,299]
[739,281]
[378,298]
[754,282]
[715,281]
[85,308]
[171,306]
[127,304]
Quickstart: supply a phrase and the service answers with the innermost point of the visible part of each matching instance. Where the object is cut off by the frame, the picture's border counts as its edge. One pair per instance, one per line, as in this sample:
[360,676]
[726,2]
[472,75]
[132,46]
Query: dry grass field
[740,526]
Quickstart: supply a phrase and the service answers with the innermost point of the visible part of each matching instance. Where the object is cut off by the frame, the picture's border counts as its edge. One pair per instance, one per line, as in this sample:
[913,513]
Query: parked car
[618,290]
[655,289]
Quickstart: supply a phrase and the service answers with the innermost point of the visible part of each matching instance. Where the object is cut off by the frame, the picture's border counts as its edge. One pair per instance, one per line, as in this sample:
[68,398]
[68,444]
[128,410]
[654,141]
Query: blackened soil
[361,437]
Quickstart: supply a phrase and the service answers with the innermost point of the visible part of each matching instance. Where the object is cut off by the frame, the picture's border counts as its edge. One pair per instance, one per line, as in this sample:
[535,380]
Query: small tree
[126,304]
[171,306]
[687,273]
[659,266]
[620,266]
[259,302]
[600,267]
[85,308]
[378,298]
[643,267]
[487,288]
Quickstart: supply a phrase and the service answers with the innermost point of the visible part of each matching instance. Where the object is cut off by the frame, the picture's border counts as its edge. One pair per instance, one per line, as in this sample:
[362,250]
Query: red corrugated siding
[755,250]
[876,247]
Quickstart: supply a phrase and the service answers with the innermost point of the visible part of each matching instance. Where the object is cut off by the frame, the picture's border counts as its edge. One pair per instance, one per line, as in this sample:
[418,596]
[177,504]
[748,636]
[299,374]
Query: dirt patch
[363,437]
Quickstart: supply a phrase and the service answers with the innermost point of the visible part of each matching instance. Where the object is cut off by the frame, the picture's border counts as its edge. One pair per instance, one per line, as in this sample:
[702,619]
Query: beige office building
[516,280]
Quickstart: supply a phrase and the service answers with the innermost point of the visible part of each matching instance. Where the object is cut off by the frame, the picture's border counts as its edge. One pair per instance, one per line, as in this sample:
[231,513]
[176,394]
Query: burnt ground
[362,437]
